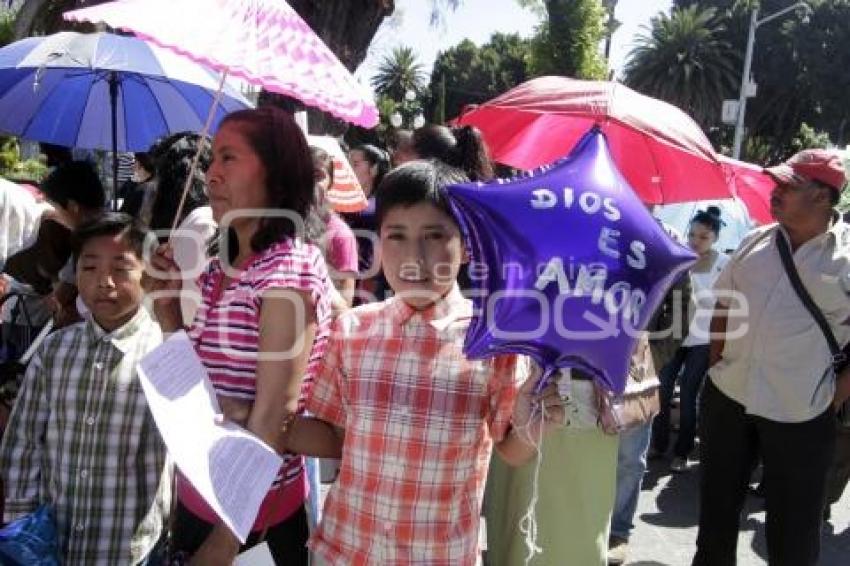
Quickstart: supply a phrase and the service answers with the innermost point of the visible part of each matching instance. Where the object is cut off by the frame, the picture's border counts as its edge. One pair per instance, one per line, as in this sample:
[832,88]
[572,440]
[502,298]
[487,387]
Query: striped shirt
[226,333]
[420,421]
[81,437]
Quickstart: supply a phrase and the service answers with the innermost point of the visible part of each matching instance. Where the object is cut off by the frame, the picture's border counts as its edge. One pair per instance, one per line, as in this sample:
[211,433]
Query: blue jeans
[693,361]
[631,464]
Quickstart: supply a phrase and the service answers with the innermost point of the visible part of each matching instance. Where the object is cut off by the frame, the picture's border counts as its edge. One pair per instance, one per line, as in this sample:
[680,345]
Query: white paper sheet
[228,466]
[259,555]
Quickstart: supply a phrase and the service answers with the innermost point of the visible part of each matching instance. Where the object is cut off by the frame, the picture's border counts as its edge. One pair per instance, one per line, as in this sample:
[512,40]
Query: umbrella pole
[113,102]
[197,156]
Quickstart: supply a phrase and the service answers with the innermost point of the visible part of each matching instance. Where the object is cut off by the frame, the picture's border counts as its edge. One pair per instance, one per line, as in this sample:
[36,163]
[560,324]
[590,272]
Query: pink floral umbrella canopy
[264,42]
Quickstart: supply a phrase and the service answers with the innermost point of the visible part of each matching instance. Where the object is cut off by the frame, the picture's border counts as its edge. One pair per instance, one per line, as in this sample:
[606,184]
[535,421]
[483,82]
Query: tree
[762,151]
[398,73]
[567,42]
[466,74]
[684,60]
[7,28]
[802,67]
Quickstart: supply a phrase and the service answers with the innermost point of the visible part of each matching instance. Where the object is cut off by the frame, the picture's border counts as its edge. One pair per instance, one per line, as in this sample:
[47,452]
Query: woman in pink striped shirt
[263,321]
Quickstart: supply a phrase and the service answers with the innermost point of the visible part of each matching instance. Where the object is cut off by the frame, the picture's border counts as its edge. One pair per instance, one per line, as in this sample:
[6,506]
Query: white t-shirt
[702,299]
[20,215]
[190,254]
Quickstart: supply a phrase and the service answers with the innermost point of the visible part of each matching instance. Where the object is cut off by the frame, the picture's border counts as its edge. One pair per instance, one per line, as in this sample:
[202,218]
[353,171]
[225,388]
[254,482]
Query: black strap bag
[840,358]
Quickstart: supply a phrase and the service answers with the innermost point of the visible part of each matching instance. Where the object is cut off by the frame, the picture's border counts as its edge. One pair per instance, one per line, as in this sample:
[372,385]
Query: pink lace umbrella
[264,42]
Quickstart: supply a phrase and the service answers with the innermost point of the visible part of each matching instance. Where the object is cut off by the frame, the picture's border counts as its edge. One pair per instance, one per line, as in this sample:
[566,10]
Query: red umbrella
[660,150]
[750,184]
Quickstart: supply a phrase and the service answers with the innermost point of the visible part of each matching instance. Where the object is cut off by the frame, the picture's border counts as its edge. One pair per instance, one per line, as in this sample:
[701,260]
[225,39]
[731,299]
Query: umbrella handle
[197,156]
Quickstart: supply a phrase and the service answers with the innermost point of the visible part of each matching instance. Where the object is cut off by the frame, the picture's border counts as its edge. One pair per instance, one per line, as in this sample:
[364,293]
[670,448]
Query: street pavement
[665,523]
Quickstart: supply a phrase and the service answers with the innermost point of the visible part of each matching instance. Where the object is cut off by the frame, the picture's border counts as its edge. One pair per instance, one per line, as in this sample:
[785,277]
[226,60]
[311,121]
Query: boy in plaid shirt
[81,436]
[412,418]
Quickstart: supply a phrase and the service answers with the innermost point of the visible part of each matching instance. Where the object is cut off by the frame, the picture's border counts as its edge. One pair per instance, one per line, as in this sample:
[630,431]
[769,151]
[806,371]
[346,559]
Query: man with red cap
[771,390]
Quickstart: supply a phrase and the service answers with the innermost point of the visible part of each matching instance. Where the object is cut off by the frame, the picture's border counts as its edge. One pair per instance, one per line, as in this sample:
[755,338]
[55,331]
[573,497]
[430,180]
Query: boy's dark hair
[415,182]
[462,147]
[131,230]
[75,181]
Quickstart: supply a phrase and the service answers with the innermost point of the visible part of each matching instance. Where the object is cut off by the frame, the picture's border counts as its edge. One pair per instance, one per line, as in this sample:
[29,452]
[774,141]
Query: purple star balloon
[568,265]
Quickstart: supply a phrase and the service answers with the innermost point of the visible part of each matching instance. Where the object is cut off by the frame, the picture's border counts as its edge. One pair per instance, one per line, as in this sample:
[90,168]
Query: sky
[478,19]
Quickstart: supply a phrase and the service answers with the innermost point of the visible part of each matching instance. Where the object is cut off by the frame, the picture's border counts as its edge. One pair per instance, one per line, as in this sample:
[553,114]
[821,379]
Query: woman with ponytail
[692,357]
[462,147]
[370,164]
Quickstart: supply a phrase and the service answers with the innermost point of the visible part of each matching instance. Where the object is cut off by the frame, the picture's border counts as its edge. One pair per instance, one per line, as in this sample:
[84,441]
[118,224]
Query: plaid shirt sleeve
[509,373]
[326,400]
[21,452]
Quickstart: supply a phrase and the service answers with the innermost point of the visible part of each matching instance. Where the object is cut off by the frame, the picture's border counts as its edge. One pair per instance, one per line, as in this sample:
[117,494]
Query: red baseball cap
[811,165]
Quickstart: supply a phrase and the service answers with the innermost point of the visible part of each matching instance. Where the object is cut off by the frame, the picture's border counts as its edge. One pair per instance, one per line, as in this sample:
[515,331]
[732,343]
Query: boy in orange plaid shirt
[413,419]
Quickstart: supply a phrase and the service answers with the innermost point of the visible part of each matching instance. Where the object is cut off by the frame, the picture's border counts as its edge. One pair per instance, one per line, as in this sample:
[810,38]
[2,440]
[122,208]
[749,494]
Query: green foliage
[807,137]
[7,28]
[761,150]
[386,107]
[29,170]
[399,72]
[9,153]
[844,203]
[468,74]
[12,168]
[567,42]
[683,59]
[802,68]
[758,150]
[535,6]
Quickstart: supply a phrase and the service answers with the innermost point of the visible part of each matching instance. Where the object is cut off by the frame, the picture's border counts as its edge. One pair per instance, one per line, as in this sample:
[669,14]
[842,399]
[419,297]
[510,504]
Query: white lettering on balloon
[637,255]
[589,202]
[591,280]
[607,238]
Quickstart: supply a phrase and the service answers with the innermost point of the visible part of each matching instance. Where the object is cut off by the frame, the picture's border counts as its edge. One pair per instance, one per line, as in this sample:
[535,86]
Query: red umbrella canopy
[752,185]
[660,150]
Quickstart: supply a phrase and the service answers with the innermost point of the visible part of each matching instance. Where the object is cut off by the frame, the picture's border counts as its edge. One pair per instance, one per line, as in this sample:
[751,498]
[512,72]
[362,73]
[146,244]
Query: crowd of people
[430,445]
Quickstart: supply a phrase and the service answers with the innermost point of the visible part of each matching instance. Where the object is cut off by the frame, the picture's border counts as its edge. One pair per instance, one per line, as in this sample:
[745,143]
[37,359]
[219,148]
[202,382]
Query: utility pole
[748,61]
[610,26]
[745,80]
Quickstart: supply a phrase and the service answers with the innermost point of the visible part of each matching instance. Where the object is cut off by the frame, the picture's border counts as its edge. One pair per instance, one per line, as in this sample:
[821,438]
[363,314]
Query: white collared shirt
[779,368]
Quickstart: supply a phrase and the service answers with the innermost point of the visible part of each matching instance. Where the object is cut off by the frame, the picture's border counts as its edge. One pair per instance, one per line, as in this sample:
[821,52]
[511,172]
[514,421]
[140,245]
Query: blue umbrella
[104,91]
